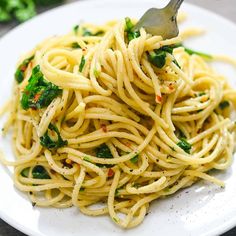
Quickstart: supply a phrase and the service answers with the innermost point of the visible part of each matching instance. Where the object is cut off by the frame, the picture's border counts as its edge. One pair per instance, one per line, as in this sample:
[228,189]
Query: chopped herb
[115,219]
[87,32]
[131,34]
[181,134]
[103,151]
[134,160]
[82,189]
[168,49]
[122,153]
[19,75]
[191,52]
[224,105]
[75,45]
[100,32]
[137,185]
[25,172]
[129,24]
[96,73]
[87,159]
[176,63]
[39,172]
[38,93]
[158,56]
[200,110]
[201,54]
[184,145]
[201,94]
[82,63]
[117,192]
[48,143]
[167,189]
[75,29]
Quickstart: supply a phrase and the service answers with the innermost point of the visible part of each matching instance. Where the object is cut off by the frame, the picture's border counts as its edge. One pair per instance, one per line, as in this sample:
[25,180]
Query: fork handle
[174,5]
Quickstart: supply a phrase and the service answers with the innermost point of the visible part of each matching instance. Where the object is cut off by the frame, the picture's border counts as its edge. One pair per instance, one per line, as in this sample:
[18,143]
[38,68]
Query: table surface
[226,8]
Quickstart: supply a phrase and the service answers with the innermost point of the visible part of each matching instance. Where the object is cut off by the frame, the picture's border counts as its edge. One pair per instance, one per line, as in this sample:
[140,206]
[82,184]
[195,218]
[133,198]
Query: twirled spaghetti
[107,115]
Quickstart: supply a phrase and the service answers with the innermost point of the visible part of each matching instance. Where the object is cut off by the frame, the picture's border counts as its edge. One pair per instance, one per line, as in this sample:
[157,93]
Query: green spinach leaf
[47,142]
[184,145]
[103,151]
[39,93]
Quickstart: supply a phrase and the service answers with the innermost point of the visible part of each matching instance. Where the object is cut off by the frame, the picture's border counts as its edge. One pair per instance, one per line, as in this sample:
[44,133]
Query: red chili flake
[158,99]
[30,64]
[104,128]
[110,173]
[199,131]
[23,68]
[36,97]
[127,144]
[171,86]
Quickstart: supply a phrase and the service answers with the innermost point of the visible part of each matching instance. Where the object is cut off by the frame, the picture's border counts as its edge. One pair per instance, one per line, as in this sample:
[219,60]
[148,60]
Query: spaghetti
[105,115]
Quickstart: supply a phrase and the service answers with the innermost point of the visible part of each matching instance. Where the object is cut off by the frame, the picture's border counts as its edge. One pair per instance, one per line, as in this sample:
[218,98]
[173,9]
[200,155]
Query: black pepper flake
[33,204]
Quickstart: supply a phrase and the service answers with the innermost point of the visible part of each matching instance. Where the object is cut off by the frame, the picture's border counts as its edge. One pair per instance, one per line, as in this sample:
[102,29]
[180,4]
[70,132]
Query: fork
[161,21]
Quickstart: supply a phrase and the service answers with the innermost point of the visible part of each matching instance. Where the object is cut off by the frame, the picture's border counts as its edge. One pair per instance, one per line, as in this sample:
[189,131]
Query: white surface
[203,209]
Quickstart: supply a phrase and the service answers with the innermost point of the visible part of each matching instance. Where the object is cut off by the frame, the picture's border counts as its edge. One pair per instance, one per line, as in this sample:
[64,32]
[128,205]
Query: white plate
[203,209]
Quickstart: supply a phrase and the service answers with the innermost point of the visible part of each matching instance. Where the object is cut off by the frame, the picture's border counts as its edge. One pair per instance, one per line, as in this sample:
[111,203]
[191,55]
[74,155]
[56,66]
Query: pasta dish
[108,119]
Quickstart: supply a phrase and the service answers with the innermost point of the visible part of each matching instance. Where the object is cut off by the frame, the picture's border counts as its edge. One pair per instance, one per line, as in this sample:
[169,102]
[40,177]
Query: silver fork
[161,21]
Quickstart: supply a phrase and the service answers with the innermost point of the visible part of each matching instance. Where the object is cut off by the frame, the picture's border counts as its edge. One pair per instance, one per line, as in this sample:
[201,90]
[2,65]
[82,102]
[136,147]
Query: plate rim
[225,226]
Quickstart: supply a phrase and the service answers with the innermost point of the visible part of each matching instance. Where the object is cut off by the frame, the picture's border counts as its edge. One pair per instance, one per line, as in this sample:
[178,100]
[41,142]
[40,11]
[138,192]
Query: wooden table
[227,8]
